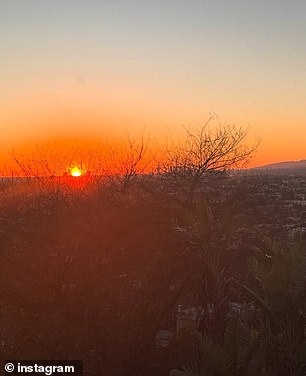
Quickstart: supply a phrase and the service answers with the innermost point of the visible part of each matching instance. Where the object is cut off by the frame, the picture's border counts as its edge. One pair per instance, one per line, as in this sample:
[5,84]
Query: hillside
[284,165]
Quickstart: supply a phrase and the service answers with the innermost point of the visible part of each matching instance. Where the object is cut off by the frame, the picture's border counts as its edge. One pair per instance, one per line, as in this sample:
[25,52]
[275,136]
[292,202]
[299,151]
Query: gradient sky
[88,69]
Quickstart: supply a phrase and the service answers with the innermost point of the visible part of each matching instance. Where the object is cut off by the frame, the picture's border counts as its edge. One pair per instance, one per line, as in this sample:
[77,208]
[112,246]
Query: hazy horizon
[89,70]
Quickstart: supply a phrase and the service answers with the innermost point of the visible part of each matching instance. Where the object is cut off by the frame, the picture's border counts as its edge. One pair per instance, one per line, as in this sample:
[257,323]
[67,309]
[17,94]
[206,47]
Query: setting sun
[75,171]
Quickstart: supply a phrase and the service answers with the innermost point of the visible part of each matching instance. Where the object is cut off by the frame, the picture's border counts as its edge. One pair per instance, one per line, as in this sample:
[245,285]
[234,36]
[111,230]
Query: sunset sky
[91,69]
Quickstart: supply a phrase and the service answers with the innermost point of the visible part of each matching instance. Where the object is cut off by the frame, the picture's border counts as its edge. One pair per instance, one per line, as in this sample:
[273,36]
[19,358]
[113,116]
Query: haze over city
[153,187]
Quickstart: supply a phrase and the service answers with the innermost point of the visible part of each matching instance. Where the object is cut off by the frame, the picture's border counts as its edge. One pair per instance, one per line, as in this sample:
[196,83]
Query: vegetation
[96,270]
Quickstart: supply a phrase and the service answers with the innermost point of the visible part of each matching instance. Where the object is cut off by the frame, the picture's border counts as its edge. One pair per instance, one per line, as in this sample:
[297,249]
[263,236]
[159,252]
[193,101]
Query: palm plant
[280,294]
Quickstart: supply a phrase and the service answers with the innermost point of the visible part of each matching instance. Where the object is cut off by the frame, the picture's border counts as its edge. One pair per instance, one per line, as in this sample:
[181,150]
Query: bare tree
[206,151]
[125,161]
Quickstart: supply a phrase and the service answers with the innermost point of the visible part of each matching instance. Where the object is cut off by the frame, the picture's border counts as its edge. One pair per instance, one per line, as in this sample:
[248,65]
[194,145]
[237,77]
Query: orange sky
[93,71]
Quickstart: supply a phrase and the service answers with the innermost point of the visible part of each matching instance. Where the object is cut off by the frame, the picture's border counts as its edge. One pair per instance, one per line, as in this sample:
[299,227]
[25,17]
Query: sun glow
[75,171]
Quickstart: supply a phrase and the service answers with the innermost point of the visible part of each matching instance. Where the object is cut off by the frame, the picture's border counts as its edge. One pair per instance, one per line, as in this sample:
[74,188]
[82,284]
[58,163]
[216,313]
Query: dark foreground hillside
[143,280]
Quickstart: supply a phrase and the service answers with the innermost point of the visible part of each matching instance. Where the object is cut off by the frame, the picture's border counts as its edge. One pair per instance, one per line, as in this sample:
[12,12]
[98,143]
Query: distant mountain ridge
[284,165]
